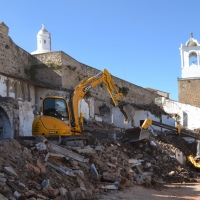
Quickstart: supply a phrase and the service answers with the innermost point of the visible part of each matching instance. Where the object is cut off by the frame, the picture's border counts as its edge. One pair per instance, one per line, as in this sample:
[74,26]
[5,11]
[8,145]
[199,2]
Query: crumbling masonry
[27,78]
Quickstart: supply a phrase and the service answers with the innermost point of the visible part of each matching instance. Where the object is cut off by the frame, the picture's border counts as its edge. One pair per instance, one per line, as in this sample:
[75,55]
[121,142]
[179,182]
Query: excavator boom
[84,87]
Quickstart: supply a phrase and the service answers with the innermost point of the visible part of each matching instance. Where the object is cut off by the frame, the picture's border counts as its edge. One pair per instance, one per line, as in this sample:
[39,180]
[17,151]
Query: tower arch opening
[5,125]
[193,58]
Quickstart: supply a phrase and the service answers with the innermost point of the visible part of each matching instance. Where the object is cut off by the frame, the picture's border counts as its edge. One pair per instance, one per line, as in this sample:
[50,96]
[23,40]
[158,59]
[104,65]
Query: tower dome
[43,41]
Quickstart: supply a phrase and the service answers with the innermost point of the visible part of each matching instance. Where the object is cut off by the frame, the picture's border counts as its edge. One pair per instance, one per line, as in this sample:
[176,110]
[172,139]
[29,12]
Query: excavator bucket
[126,119]
[125,112]
[135,134]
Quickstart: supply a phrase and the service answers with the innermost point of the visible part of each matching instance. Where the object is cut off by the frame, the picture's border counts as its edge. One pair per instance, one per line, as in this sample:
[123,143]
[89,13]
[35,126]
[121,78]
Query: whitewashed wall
[118,119]
[174,107]
[142,115]
[84,108]
[3,87]
[26,118]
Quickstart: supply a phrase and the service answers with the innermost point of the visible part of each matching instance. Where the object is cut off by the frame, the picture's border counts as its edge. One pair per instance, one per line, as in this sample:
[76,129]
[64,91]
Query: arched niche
[5,126]
[193,59]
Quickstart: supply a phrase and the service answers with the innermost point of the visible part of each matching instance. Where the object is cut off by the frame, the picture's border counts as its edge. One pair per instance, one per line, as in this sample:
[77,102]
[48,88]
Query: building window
[40,41]
[44,41]
[193,59]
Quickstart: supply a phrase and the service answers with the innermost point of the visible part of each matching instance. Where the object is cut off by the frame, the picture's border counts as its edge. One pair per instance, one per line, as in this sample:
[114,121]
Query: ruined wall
[13,59]
[17,89]
[188,91]
[51,71]
[60,69]
[73,72]
[41,92]
[27,78]
[26,118]
[188,115]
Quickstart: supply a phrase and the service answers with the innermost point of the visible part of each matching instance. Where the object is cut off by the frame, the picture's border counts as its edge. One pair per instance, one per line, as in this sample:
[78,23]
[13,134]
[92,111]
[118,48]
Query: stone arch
[5,125]
[193,58]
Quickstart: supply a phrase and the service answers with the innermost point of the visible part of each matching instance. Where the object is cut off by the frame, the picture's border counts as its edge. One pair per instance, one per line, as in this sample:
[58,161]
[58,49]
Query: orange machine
[61,117]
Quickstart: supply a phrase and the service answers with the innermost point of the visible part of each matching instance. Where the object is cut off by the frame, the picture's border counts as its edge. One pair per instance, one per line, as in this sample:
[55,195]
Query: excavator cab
[55,118]
[55,107]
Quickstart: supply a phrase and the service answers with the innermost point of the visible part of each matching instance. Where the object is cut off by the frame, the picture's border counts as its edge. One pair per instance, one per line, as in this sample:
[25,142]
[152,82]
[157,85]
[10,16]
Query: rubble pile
[42,169]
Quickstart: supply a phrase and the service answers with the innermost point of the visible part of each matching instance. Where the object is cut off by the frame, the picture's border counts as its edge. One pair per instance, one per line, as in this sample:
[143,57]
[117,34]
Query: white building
[190,58]
[43,41]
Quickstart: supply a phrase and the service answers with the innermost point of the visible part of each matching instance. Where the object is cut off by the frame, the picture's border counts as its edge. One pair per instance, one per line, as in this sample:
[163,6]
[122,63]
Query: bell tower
[189,83]
[190,58]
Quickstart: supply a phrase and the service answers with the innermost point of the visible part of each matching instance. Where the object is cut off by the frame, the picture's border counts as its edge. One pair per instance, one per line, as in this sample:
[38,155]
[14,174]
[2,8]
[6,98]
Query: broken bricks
[110,177]
[110,166]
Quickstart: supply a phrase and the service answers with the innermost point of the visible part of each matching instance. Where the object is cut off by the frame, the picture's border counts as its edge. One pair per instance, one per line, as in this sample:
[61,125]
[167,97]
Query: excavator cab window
[56,108]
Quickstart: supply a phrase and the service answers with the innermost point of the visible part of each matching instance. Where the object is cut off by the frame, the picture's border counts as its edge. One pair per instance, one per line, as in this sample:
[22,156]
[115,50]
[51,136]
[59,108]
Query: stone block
[110,177]
[94,171]
[10,170]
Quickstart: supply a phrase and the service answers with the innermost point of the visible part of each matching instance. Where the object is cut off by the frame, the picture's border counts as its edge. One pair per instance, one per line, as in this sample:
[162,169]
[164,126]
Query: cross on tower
[191,34]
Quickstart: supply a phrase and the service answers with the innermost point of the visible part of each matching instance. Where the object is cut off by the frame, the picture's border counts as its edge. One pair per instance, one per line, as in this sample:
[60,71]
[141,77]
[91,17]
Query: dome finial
[42,26]
[191,34]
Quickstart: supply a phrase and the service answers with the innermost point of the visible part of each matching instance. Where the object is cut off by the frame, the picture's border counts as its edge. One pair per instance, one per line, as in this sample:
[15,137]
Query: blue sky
[136,40]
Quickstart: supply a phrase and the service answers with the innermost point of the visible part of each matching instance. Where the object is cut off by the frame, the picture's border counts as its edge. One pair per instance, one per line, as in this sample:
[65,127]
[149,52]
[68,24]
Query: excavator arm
[83,88]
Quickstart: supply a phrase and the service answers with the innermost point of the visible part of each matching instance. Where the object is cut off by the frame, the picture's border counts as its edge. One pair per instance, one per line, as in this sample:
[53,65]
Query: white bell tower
[43,41]
[190,58]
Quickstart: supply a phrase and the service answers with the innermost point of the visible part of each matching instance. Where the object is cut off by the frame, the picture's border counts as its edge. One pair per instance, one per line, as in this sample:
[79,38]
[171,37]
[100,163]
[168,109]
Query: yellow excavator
[61,116]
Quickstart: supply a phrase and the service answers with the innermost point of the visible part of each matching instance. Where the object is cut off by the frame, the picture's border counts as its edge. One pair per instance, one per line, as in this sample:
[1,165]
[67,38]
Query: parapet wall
[72,72]
[13,59]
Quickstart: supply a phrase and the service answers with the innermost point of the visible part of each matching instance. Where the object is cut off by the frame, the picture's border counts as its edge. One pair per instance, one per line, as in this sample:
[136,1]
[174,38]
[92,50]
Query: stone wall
[13,59]
[59,69]
[50,72]
[188,91]
[72,72]
[27,78]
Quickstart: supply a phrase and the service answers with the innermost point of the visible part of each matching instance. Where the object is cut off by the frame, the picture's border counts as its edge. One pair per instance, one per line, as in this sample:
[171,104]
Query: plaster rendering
[26,118]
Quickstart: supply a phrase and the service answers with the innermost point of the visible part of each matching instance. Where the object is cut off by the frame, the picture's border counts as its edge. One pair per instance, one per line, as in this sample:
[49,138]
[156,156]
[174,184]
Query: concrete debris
[3,180]
[139,179]
[62,169]
[41,146]
[54,155]
[50,171]
[110,177]
[10,170]
[152,143]
[86,150]
[134,161]
[81,184]
[94,171]
[108,186]
[68,153]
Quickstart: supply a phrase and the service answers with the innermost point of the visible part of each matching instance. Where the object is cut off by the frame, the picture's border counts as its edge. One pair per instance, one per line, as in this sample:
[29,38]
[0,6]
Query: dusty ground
[190,191]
